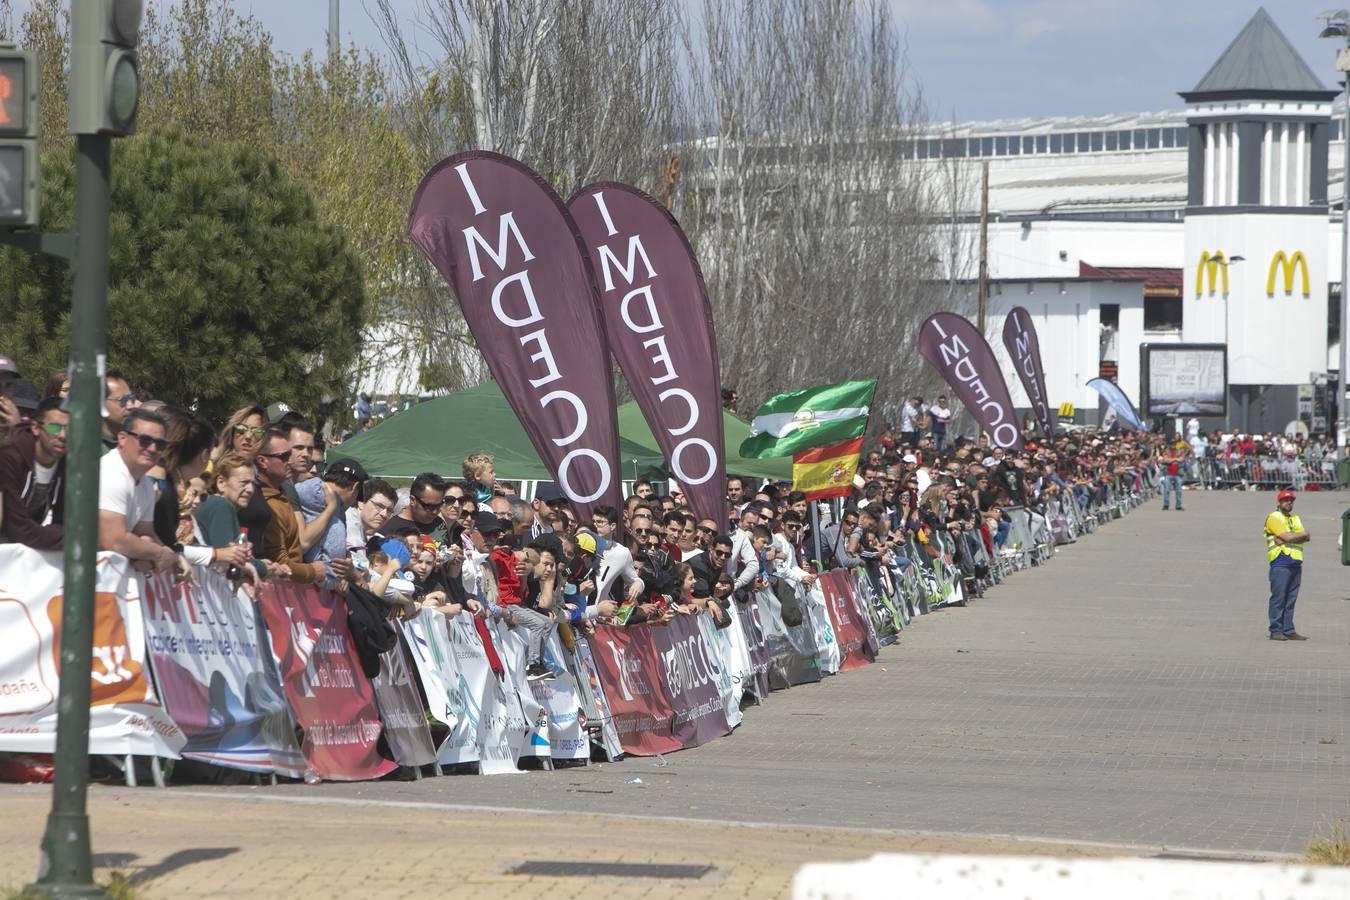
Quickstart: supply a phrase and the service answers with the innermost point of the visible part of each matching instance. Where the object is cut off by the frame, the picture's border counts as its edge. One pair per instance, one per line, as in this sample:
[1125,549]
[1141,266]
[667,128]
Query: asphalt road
[1126,692]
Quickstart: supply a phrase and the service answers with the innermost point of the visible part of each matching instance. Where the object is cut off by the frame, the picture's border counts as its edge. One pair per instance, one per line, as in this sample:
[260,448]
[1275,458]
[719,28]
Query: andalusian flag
[827,471]
[809,419]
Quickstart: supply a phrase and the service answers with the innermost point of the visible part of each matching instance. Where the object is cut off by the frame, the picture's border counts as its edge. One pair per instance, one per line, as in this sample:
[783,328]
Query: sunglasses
[146,441]
[54,428]
[249,429]
[850,522]
[429,505]
[716,551]
[126,400]
[283,457]
[706,530]
[642,531]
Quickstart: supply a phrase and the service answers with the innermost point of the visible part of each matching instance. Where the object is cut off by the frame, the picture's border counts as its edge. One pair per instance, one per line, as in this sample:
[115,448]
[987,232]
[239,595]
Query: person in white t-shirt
[126,498]
[939,416]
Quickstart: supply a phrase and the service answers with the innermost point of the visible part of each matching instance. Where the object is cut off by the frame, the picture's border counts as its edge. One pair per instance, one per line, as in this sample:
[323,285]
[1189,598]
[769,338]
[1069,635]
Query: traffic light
[105,79]
[19,175]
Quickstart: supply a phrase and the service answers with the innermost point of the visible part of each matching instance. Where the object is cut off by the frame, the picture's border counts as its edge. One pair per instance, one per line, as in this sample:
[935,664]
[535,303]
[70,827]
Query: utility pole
[104,97]
[333,41]
[982,295]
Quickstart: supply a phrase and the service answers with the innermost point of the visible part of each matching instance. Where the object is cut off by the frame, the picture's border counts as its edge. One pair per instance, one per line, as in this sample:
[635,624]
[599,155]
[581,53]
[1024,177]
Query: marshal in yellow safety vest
[1279,522]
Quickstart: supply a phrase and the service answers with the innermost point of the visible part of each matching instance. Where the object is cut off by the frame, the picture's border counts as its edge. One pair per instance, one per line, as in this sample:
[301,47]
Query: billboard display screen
[1185,379]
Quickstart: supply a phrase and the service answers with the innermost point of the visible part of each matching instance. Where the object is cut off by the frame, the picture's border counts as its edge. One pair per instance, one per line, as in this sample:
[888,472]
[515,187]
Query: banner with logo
[827,648]
[561,699]
[400,706]
[333,701]
[964,359]
[693,679]
[513,645]
[851,628]
[1019,336]
[609,733]
[636,689]
[428,641]
[125,714]
[504,242]
[659,321]
[214,669]
[735,655]
[747,612]
[792,649]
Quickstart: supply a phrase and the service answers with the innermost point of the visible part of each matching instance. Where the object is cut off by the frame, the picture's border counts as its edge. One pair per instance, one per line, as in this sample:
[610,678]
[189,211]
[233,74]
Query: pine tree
[224,286]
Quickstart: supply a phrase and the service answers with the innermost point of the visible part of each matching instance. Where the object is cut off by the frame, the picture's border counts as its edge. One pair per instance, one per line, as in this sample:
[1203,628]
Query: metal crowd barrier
[1261,473]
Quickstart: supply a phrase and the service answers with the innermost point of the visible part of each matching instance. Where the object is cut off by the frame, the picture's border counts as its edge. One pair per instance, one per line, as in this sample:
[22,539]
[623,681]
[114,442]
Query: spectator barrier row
[1261,473]
[284,686]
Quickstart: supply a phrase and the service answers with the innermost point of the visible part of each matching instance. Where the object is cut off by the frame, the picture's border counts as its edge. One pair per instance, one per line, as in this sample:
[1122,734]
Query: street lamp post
[1338,26]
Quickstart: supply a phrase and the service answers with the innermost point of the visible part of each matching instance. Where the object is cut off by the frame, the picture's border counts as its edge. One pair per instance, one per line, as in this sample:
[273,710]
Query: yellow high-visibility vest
[1273,550]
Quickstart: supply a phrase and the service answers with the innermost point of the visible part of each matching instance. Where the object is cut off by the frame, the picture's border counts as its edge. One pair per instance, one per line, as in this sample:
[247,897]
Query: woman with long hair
[242,434]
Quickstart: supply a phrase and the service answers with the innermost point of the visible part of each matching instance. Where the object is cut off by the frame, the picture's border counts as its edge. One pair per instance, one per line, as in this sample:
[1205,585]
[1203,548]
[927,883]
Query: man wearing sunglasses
[32,473]
[118,400]
[281,537]
[126,497]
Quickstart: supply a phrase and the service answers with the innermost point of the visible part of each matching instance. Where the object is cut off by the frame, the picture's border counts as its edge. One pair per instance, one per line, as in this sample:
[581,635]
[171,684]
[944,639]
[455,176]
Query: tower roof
[1260,62]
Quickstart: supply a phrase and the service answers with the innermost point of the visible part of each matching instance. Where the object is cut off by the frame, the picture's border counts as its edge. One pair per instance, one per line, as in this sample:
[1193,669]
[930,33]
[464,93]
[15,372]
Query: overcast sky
[984,59]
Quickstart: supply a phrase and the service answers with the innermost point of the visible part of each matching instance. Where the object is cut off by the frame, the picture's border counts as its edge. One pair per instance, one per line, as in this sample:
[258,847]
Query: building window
[1083,141]
[1183,137]
[1169,137]
[1124,140]
[1154,138]
[986,146]
[1096,141]
[1000,146]
[1112,140]
[1042,143]
[1139,138]
[953,147]
[1056,143]
[1162,313]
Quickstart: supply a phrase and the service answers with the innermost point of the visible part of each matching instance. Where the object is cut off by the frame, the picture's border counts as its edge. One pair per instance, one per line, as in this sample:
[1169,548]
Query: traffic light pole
[67,865]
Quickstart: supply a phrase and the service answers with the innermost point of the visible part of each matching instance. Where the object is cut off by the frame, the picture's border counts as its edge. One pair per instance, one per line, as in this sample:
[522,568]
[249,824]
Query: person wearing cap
[1285,537]
[331,495]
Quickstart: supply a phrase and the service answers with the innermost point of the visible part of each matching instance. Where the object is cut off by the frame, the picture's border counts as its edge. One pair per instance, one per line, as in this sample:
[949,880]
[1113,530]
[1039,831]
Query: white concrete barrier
[1045,878]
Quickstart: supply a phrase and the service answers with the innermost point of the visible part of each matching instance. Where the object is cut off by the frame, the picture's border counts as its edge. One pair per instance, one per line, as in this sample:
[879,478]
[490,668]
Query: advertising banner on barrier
[405,724]
[851,629]
[1019,337]
[792,649]
[727,687]
[963,358]
[125,714]
[636,689]
[659,321]
[331,697]
[609,734]
[827,647]
[693,678]
[513,645]
[561,699]
[215,671]
[860,603]
[504,242]
[748,614]
[428,642]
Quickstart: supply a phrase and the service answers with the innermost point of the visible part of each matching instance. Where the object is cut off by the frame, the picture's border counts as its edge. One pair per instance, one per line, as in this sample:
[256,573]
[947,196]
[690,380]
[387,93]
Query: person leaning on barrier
[32,480]
[229,488]
[126,497]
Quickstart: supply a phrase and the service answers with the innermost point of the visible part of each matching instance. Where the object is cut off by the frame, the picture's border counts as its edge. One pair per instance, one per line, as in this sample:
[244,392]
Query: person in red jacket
[32,478]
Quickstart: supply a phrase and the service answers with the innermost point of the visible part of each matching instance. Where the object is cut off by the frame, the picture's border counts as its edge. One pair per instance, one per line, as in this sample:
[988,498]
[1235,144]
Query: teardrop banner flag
[660,327]
[1114,396]
[503,241]
[1019,336]
[964,359]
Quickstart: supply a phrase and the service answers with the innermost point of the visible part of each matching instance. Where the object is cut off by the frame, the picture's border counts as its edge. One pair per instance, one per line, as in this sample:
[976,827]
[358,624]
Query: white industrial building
[1218,222]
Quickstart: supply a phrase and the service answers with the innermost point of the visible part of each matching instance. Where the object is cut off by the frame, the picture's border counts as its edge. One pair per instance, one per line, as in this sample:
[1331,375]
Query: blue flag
[1114,396]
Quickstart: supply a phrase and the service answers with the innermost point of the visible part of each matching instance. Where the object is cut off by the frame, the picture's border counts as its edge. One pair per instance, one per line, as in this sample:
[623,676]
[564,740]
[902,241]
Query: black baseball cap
[487,523]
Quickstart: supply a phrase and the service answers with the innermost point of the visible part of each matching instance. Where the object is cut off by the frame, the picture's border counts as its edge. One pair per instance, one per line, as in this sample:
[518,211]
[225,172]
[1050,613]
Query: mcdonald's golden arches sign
[1288,265]
[1213,267]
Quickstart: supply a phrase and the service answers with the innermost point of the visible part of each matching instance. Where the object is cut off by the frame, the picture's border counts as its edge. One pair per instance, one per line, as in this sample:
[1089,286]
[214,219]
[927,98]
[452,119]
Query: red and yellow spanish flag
[826,471]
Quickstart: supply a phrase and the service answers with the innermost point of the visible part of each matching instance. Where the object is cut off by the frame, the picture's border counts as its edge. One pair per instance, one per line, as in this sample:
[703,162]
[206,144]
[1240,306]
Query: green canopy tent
[435,436]
[633,425]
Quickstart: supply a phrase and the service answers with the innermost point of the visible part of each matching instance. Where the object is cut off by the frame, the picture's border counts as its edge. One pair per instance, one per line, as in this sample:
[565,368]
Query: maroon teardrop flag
[504,242]
[660,329]
[1019,336]
[964,359]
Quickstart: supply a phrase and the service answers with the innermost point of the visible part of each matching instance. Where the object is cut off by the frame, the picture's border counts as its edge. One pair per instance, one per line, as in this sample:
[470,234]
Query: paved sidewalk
[1124,694]
[175,844]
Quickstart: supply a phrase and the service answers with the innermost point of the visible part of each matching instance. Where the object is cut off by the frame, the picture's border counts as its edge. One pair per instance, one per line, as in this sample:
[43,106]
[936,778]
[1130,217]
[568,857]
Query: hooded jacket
[18,477]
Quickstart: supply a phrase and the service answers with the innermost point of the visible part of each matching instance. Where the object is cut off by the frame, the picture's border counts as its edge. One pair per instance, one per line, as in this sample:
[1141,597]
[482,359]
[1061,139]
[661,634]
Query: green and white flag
[812,417]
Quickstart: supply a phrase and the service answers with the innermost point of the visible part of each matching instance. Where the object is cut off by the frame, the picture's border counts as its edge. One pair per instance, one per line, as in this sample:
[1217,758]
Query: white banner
[735,664]
[215,673]
[125,714]
[561,701]
[513,646]
[827,648]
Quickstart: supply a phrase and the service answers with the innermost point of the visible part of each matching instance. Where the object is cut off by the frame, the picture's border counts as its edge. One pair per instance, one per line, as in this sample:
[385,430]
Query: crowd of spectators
[256,500]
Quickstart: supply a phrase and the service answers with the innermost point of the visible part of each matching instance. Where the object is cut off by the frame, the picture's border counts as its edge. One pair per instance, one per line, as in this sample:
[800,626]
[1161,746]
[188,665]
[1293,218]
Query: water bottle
[233,572]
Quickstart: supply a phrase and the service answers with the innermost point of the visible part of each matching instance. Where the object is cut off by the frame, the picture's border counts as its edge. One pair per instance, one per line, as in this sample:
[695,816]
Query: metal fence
[1261,473]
